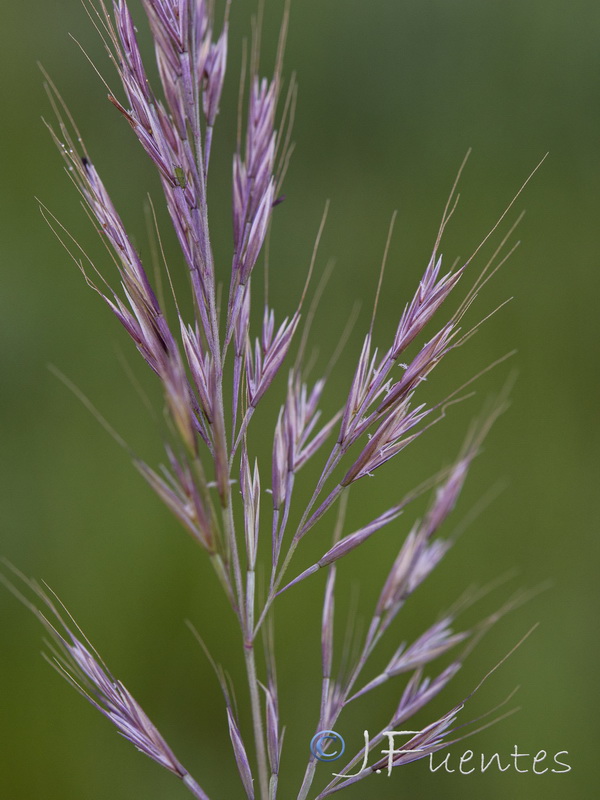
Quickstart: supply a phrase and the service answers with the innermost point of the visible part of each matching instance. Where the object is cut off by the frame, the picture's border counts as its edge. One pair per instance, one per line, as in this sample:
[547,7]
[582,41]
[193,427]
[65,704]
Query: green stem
[259,737]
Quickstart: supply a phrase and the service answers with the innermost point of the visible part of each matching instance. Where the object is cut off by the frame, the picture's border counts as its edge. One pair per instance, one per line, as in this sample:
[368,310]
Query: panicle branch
[77,661]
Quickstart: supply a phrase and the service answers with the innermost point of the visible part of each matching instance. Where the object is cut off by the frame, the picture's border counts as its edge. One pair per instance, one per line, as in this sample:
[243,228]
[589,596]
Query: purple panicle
[215,366]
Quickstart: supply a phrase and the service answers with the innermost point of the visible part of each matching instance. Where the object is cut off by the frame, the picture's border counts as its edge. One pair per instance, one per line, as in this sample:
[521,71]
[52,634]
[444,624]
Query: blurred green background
[392,94]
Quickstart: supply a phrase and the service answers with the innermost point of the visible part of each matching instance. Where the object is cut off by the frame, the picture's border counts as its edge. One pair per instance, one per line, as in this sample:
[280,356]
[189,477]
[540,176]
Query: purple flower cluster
[214,370]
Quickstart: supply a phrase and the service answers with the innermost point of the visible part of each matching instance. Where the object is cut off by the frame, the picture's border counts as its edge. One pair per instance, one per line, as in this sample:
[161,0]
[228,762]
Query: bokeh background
[392,94]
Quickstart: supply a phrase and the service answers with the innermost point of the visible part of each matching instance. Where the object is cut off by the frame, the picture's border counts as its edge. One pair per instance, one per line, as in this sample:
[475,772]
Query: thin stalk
[194,787]
[302,528]
[229,525]
[309,777]
[373,636]
[223,576]
[249,653]
[259,736]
